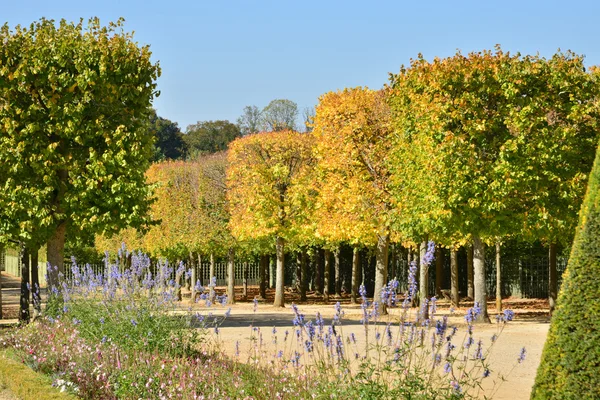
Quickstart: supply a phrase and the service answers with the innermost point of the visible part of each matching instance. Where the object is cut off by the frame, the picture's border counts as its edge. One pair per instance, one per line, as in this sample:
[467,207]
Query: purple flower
[429,254]
[486,373]
[447,368]
[522,355]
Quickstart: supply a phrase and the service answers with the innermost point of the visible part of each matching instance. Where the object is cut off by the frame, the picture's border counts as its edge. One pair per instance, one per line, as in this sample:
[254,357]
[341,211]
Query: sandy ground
[529,330]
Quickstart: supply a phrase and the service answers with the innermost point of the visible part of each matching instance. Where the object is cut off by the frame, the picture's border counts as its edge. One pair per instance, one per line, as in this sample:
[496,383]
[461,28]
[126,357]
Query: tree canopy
[210,137]
[74,106]
[169,141]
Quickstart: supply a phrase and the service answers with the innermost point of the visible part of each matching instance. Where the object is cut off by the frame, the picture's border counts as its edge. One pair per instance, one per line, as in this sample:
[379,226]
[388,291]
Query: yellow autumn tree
[352,140]
[266,176]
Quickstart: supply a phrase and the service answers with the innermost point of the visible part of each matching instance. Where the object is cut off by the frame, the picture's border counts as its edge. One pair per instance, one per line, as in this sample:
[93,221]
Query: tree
[479,138]
[308,115]
[74,106]
[169,143]
[250,121]
[265,178]
[352,139]
[569,366]
[210,137]
[280,115]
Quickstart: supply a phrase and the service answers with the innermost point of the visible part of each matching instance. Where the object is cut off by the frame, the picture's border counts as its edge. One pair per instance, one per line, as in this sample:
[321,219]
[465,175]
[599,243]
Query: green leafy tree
[210,137]
[280,115]
[250,121]
[74,143]
[169,143]
[569,366]
[489,145]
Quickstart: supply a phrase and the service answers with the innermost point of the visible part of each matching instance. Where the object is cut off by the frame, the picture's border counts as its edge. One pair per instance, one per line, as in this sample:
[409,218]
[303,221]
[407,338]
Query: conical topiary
[570,366]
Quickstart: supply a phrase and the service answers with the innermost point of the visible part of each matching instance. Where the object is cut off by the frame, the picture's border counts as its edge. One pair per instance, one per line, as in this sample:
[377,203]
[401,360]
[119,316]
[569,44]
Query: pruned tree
[352,142]
[74,106]
[264,179]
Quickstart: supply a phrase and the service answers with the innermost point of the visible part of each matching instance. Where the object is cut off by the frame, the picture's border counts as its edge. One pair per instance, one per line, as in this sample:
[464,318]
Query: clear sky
[219,56]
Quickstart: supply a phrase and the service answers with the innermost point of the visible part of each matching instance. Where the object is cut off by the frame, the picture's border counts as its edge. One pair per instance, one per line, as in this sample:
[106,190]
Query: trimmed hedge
[570,366]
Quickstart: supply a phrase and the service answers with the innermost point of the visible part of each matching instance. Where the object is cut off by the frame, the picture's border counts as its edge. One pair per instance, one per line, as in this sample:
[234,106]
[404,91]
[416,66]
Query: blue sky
[219,56]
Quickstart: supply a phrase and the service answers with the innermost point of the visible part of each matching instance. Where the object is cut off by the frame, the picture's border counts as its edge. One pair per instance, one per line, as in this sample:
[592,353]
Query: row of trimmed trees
[468,150]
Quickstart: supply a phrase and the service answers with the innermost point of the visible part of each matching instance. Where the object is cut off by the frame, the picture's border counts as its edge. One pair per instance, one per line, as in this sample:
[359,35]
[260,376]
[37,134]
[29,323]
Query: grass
[25,383]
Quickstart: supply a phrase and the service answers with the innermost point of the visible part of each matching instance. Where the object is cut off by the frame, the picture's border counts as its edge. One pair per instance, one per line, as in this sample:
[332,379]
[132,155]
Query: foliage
[265,178]
[490,144]
[74,145]
[250,121]
[569,366]
[279,115]
[190,208]
[210,137]
[351,130]
[133,307]
[169,143]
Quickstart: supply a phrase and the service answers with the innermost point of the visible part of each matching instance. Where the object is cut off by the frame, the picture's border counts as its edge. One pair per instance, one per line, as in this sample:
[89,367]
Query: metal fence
[523,275]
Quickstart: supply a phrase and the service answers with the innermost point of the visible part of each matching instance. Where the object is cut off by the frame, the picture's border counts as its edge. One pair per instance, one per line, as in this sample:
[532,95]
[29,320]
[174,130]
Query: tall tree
[210,137]
[280,115]
[352,135]
[168,139]
[475,145]
[250,121]
[74,104]
[264,179]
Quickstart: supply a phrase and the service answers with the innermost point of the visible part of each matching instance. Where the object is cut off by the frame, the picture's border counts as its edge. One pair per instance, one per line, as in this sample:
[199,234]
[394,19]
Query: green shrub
[570,366]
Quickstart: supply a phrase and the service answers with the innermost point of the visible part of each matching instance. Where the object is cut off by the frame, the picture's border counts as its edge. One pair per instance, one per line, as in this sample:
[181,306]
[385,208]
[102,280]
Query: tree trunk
[24,309]
[439,270]
[2,263]
[552,277]
[326,274]
[381,269]
[194,277]
[479,278]
[178,277]
[230,277]
[319,272]
[498,280]
[356,275]
[279,289]
[303,274]
[35,284]
[338,272]
[423,283]
[454,277]
[245,281]
[264,261]
[212,279]
[272,273]
[200,276]
[470,284]
[298,282]
[55,255]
